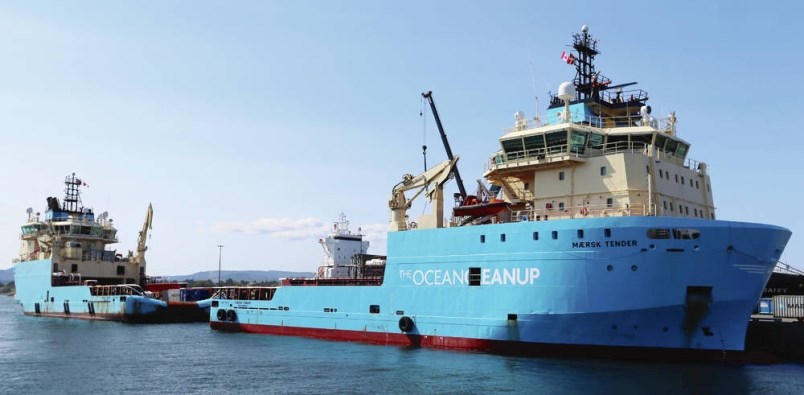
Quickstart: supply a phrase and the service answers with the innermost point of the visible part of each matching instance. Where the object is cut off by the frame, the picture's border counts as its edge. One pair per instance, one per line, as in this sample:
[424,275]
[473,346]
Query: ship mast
[587,80]
[72,196]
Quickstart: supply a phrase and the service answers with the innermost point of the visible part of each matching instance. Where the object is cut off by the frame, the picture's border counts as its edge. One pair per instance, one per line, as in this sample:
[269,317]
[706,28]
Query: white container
[788,306]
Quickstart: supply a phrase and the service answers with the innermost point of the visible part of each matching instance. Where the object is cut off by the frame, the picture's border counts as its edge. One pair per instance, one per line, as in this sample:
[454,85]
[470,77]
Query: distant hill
[240,275]
[7,276]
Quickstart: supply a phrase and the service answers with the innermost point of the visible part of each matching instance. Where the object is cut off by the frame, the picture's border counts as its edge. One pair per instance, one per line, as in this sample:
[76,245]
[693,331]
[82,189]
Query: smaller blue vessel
[65,269]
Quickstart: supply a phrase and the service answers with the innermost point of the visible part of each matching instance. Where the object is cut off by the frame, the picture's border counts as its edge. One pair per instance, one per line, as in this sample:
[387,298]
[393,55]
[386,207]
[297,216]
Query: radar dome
[566,91]
[584,28]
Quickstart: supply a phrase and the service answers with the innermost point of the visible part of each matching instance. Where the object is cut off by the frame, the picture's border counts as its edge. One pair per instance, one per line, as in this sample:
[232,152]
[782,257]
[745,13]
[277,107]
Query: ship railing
[579,118]
[605,210]
[694,165]
[244,293]
[689,163]
[634,96]
[116,290]
[562,152]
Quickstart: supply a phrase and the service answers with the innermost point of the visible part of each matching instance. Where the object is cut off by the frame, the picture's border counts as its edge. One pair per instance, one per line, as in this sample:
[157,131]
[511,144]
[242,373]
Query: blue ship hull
[38,297]
[599,283]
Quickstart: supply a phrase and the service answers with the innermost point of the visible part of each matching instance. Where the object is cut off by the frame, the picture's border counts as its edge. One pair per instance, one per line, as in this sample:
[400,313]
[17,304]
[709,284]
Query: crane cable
[424,142]
[424,132]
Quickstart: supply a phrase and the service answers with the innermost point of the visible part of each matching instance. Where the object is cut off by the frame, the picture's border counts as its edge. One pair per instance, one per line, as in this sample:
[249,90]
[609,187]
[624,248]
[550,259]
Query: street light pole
[220,252]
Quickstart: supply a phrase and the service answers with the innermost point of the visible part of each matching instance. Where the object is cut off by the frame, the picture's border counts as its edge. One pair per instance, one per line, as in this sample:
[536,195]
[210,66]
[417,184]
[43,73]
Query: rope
[424,131]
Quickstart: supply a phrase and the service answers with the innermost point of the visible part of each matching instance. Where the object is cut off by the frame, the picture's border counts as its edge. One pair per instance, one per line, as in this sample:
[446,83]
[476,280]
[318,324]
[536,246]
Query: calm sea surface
[40,355]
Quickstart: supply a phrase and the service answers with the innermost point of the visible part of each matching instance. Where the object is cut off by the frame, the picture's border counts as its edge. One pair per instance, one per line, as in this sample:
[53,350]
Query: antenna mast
[72,196]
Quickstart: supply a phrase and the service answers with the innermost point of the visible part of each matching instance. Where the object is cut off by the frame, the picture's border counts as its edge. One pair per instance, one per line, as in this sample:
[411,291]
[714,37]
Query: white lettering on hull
[505,276]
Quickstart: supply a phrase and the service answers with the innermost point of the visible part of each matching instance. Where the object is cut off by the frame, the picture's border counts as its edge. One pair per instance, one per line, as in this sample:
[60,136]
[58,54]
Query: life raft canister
[405,324]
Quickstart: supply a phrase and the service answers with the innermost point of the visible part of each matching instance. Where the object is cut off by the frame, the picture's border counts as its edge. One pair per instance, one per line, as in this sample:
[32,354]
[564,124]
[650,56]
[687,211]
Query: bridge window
[660,141]
[374,309]
[534,143]
[556,142]
[643,138]
[670,146]
[561,176]
[595,141]
[513,145]
[603,170]
[609,202]
[617,142]
[577,142]
[681,151]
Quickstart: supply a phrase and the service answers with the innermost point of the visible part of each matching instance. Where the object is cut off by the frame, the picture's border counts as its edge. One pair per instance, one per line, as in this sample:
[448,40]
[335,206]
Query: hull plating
[591,282]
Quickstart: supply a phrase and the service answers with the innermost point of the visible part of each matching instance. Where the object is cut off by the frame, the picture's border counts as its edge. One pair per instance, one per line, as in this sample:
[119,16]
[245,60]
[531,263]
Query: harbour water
[40,355]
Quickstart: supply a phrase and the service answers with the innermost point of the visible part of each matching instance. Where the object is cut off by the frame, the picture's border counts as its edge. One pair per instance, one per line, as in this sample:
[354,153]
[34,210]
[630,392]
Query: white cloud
[284,228]
[298,229]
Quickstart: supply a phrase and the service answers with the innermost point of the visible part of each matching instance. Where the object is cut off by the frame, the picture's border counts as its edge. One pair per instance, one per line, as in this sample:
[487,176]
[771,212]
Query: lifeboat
[474,208]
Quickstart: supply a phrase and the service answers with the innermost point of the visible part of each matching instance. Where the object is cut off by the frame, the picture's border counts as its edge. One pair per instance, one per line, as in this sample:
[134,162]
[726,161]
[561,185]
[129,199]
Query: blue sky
[254,124]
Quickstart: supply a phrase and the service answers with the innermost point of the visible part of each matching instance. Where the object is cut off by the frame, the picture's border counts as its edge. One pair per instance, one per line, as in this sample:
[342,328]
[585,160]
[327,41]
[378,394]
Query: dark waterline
[40,355]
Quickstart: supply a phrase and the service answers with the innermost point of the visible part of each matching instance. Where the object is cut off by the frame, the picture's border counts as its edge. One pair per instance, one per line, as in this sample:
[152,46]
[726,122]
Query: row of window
[683,209]
[561,206]
[666,175]
[603,172]
[654,233]
[553,234]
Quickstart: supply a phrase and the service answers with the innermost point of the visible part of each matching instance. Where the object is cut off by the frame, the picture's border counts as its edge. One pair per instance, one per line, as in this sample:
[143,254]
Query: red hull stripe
[506,347]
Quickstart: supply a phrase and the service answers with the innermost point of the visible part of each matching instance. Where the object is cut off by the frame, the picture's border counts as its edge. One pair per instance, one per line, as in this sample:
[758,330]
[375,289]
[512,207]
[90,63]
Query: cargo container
[195,294]
[765,306]
[788,306]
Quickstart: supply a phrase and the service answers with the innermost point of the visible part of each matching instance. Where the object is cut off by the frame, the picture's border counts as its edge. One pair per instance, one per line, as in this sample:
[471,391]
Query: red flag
[568,58]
